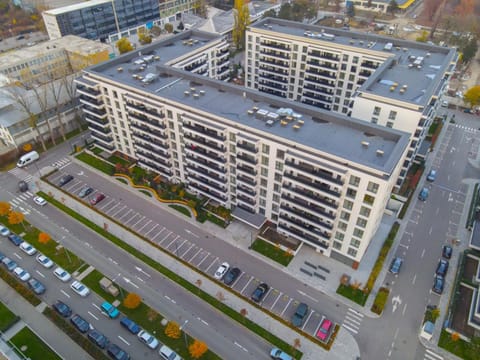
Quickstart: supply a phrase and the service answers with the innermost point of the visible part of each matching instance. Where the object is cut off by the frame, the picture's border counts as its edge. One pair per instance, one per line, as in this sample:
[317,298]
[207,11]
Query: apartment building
[391,82]
[100,19]
[381,5]
[52,59]
[321,177]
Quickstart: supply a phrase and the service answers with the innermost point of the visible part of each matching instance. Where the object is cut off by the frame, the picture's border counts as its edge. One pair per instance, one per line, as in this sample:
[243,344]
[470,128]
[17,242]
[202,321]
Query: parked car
[44,261]
[396,265]
[4,230]
[300,314]
[168,354]
[15,239]
[62,308]
[438,283]
[80,323]
[110,310]
[39,201]
[65,179]
[432,175]
[447,251]
[86,190]
[324,330]
[148,339]
[2,256]
[116,352]
[62,274]
[98,338]
[231,276]
[97,198]
[80,289]
[277,354]
[130,325]
[22,186]
[21,273]
[260,292]
[442,268]
[27,248]
[423,196]
[221,271]
[37,287]
[9,263]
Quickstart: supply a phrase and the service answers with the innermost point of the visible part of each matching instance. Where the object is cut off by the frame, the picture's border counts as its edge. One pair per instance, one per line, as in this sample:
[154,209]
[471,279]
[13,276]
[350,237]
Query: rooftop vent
[196,96]
[380,152]
[365,143]
[119,69]
[202,92]
[192,89]
[186,93]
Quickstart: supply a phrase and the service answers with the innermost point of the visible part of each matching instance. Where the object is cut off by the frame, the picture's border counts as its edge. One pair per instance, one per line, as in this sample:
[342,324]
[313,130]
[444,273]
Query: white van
[28,158]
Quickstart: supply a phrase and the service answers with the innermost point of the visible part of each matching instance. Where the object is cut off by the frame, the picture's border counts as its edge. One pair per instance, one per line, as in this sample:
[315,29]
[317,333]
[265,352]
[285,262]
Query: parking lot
[273,301]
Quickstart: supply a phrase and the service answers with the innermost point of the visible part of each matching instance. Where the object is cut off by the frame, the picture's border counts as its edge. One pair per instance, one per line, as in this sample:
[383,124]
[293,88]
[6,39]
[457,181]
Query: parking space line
[112,208]
[75,187]
[133,218]
[179,247]
[149,231]
[39,273]
[283,312]
[117,212]
[148,222]
[185,253]
[141,219]
[238,279]
[125,341]
[18,256]
[198,252]
[128,212]
[96,318]
[175,239]
[200,263]
[248,282]
[96,306]
[308,318]
[213,262]
[64,293]
[106,204]
[276,300]
[165,238]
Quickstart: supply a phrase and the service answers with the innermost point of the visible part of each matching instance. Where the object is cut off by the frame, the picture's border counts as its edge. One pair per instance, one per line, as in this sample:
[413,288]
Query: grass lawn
[122,180]
[180,209]
[7,318]
[97,150]
[145,192]
[118,160]
[97,163]
[356,295]
[463,349]
[36,348]
[272,252]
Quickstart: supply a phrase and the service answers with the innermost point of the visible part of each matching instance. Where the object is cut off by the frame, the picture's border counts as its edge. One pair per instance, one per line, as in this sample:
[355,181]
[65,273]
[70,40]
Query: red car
[97,198]
[324,330]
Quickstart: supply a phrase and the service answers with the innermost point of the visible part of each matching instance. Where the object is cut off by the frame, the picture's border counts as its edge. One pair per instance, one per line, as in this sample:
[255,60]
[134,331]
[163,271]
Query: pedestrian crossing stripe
[430,355]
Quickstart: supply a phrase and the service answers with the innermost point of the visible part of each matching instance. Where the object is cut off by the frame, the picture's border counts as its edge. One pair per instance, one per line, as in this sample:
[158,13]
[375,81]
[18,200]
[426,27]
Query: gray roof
[420,82]
[322,130]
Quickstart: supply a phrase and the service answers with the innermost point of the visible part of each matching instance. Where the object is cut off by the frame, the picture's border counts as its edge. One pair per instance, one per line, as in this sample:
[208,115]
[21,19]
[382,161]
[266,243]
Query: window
[368,199]
[280,154]
[376,110]
[263,192]
[265,148]
[364,211]
[276,198]
[392,115]
[263,182]
[355,60]
[264,171]
[278,177]
[374,120]
[361,222]
[339,235]
[278,165]
[264,160]
[169,114]
[263,202]
[351,77]
[351,193]
[232,137]
[354,180]
[345,57]
[352,252]
[372,187]
[355,243]
[358,233]
[337,245]
[347,204]
[275,208]
[345,215]
[342,226]
[389,124]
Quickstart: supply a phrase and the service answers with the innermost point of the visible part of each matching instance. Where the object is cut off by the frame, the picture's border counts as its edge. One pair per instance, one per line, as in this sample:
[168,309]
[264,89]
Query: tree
[472,96]
[270,13]
[56,90]
[241,16]
[155,30]
[5,208]
[43,238]
[41,95]
[172,330]
[437,17]
[16,217]
[392,7]
[168,28]
[201,9]
[68,84]
[132,301]
[144,37]
[124,45]
[455,336]
[197,349]
[469,50]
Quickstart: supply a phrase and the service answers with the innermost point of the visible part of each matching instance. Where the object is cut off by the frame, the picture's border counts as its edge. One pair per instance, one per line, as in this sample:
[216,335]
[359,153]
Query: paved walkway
[41,325]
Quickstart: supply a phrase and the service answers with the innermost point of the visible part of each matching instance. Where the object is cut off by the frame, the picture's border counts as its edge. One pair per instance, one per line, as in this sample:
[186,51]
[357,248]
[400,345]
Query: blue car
[130,325]
[438,283]
[80,323]
[110,310]
[15,239]
[277,354]
[396,265]
[432,175]
[423,196]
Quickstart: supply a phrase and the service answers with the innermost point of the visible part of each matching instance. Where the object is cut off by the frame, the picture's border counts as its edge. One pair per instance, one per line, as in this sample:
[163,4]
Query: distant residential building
[382,5]
[52,59]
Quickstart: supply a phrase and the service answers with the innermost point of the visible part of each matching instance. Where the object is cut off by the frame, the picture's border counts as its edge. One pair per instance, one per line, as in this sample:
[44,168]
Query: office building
[321,177]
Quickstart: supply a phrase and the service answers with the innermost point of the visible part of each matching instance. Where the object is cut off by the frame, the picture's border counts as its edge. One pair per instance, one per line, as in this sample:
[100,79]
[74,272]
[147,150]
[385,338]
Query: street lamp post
[184,333]
[119,287]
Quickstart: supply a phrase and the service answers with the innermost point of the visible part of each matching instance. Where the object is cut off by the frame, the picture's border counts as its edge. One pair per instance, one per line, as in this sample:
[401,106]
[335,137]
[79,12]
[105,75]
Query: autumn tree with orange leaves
[197,349]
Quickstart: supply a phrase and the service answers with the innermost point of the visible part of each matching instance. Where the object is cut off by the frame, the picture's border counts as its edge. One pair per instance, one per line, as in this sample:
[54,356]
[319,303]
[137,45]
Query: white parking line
[276,300]
[64,293]
[96,306]
[240,346]
[248,282]
[200,263]
[175,239]
[112,208]
[125,341]
[96,318]
[134,217]
[18,256]
[39,273]
[139,221]
[198,252]
[283,312]
[178,248]
[165,237]
[106,204]
[128,212]
[119,211]
[308,318]
[149,231]
[190,248]
[148,222]
[213,262]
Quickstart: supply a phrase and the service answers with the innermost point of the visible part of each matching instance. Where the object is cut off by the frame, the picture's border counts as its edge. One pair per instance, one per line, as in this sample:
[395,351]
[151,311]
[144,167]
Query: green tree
[472,96]
[392,7]
[144,38]
[270,13]
[123,45]
[469,50]
[168,28]
[241,21]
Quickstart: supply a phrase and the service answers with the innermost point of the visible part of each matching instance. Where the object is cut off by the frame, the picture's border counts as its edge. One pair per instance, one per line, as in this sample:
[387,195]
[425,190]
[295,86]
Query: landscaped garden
[31,346]
[273,252]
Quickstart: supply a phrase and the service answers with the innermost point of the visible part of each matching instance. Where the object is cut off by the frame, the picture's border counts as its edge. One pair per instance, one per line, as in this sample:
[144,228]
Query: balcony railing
[315,172]
[203,142]
[154,157]
[155,167]
[270,77]
[205,153]
[145,110]
[272,69]
[207,192]
[322,82]
[97,121]
[149,147]
[108,148]
[247,169]
[318,97]
[106,139]
[305,181]
[94,112]
[211,174]
[150,140]
[247,158]
[246,146]
[307,206]
[274,54]
[246,199]
[246,190]
[274,45]
[323,73]
[324,55]
[307,216]
[207,182]
[142,118]
[90,101]
[310,229]
[301,236]
[311,196]
[246,180]
[280,63]
[88,91]
[268,90]
[203,131]
[149,131]
[104,130]
[209,164]
[246,208]
[324,65]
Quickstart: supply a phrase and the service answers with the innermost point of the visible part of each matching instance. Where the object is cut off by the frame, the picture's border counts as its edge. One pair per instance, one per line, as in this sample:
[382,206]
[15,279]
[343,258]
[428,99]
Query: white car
[62,274]
[27,248]
[21,274]
[80,289]
[4,231]
[221,271]
[168,354]
[148,339]
[39,201]
[44,261]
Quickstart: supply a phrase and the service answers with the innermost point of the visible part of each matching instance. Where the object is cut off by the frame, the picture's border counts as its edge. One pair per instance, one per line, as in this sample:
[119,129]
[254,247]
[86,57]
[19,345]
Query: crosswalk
[60,164]
[466,128]
[22,174]
[20,201]
[430,355]
[352,320]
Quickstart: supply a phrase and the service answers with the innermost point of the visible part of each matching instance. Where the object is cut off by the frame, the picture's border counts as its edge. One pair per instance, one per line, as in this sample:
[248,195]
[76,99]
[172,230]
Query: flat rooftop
[419,81]
[367,144]
[77,6]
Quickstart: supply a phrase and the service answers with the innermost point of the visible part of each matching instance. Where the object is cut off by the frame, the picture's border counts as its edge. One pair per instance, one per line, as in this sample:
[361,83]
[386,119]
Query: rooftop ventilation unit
[365,143]
[380,152]
[388,47]
[186,93]
[196,96]
[202,92]
[192,89]
[119,69]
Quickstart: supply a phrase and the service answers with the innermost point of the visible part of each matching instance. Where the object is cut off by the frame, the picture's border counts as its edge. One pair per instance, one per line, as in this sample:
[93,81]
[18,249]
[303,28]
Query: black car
[442,267]
[300,314]
[80,323]
[15,239]
[130,325]
[447,251]
[438,283]
[37,287]
[260,292]
[62,308]
[98,338]
[117,353]
[22,186]
[231,275]
[65,179]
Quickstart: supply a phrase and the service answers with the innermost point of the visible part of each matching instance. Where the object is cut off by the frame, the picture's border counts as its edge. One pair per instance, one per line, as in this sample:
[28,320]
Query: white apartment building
[378,79]
[321,177]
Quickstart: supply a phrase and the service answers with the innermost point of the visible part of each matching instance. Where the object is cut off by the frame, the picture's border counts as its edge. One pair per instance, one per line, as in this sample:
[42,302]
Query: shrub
[172,330]
[132,301]
[197,349]
[380,300]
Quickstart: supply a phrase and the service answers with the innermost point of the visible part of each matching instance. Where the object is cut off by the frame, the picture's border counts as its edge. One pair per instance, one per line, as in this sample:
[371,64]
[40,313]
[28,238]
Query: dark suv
[98,338]
[260,292]
[442,267]
[65,179]
[300,314]
[80,323]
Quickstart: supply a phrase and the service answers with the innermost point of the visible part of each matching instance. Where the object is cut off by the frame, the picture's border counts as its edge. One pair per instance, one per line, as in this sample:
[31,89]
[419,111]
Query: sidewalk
[41,325]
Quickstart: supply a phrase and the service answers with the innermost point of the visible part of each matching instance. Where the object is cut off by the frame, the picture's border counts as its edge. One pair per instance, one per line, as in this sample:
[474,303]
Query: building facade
[321,177]
[388,81]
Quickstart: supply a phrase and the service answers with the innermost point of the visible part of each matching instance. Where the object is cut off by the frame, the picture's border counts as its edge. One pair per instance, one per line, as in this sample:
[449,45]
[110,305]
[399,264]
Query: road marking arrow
[396,301]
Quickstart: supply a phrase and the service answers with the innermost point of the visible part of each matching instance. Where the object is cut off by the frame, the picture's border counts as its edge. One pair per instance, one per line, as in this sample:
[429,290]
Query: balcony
[195,65]
[103,130]
[97,121]
[142,109]
[246,190]
[307,206]
[105,139]
[107,148]
[275,54]
[274,45]
[318,97]
[199,141]
[247,208]
[306,228]
[202,131]
[91,101]
[246,180]
[324,55]
[278,79]
[321,105]
[223,70]
[222,188]
[88,91]
[155,168]
[207,192]
[321,73]
[213,176]
[151,141]
[144,129]
[307,216]
[247,158]
[323,82]
[319,89]
[301,236]
[271,69]
[365,73]
[152,156]
[314,185]
[277,63]
[247,169]
[246,199]
[94,112]
[246,146]
[369,65]
[194,160]
[323,65]
[308,169]
[207,155]
[311,196]
[145,120]
[149,147]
